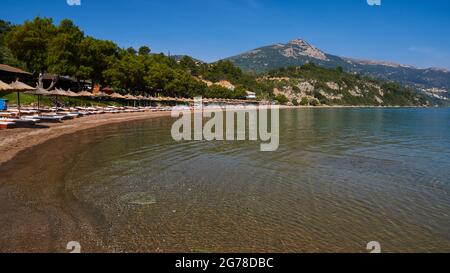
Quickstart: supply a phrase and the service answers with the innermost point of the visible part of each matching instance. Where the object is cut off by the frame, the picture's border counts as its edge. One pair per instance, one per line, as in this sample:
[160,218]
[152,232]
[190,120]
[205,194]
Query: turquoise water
[340,179]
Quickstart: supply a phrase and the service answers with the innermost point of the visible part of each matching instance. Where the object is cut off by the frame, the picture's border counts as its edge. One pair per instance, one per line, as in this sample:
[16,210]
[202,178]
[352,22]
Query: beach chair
[7,125]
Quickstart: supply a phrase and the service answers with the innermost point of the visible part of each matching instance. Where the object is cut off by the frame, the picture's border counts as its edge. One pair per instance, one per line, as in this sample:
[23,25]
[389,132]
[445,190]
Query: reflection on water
[341,178]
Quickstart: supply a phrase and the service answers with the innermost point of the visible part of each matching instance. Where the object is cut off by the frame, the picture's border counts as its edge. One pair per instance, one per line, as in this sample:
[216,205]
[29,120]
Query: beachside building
[62,82]
[9,74]
[251,95]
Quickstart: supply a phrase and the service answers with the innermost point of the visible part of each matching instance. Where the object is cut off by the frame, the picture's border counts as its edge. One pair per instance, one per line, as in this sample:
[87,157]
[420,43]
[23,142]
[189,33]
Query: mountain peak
[300,48]
[298,41]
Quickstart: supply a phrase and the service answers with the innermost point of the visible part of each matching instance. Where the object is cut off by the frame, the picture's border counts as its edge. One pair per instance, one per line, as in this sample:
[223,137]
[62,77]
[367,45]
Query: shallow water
[340,179]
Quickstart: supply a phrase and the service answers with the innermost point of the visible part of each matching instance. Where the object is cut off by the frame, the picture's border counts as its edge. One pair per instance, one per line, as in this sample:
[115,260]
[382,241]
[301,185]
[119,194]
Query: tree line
[40,46]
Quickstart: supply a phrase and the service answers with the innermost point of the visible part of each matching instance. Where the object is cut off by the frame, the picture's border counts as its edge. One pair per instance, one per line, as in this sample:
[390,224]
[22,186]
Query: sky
[413,32]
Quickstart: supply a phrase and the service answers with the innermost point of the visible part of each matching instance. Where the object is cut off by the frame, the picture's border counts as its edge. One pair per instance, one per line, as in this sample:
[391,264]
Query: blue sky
[415,32]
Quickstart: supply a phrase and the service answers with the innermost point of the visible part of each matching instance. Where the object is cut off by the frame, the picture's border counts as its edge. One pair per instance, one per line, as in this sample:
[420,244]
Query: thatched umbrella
[85,94]
[101,95]
[131,97]
[72,94]
[117,96]
[140,98]
[57,93]
[5,87]
[39,92]
[20,87]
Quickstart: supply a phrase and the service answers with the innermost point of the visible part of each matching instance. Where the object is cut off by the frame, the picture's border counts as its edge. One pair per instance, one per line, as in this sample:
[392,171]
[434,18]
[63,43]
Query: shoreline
[14,141]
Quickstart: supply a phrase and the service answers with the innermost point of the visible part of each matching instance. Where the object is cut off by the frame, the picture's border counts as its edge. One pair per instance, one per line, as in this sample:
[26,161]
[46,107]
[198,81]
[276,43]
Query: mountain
[433,81]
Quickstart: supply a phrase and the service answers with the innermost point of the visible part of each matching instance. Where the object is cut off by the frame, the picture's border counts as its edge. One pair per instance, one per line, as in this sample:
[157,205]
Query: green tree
[127,72]
[64,50]
[188,64]
[96,56]
[282,99]
[217,91]
[131,51]
[144,50]
[29,42]
[6,56]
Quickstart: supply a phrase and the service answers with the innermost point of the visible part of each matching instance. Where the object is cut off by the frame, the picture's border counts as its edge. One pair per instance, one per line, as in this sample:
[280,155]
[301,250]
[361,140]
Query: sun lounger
[22,122]
[7,125]
[69,114]
[49,119]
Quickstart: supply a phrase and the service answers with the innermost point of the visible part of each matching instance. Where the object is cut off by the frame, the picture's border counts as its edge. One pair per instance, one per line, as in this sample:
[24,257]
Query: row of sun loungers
[29,117]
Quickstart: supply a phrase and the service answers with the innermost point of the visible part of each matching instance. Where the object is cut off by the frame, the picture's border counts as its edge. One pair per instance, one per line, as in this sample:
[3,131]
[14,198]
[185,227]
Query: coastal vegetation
[40,46]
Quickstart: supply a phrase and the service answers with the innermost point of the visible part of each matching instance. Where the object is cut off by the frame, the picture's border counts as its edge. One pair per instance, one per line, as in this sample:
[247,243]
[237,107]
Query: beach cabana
[20,87]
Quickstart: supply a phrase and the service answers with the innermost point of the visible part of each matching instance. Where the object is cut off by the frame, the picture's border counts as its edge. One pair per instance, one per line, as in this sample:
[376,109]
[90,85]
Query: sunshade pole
[39,104]
[18,102]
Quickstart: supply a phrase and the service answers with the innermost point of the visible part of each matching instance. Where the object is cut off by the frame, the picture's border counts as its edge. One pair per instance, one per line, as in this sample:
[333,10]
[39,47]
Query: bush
[314,102]
[281,98]
[304,101]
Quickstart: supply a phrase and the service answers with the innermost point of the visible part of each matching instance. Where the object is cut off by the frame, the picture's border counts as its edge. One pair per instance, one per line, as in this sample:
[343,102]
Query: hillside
[313,85]
[435,82]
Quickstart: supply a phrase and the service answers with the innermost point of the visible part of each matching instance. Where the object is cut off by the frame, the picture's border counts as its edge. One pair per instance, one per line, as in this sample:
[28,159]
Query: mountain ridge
[298,52]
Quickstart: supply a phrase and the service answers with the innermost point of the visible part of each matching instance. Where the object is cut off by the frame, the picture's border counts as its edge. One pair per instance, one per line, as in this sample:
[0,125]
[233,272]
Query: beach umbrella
[20,87]
[72,94]
[85,94]
[5,87]
[139,98]
[39,92]
[101,95]
[57,93]
[130,97]
[117,96]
